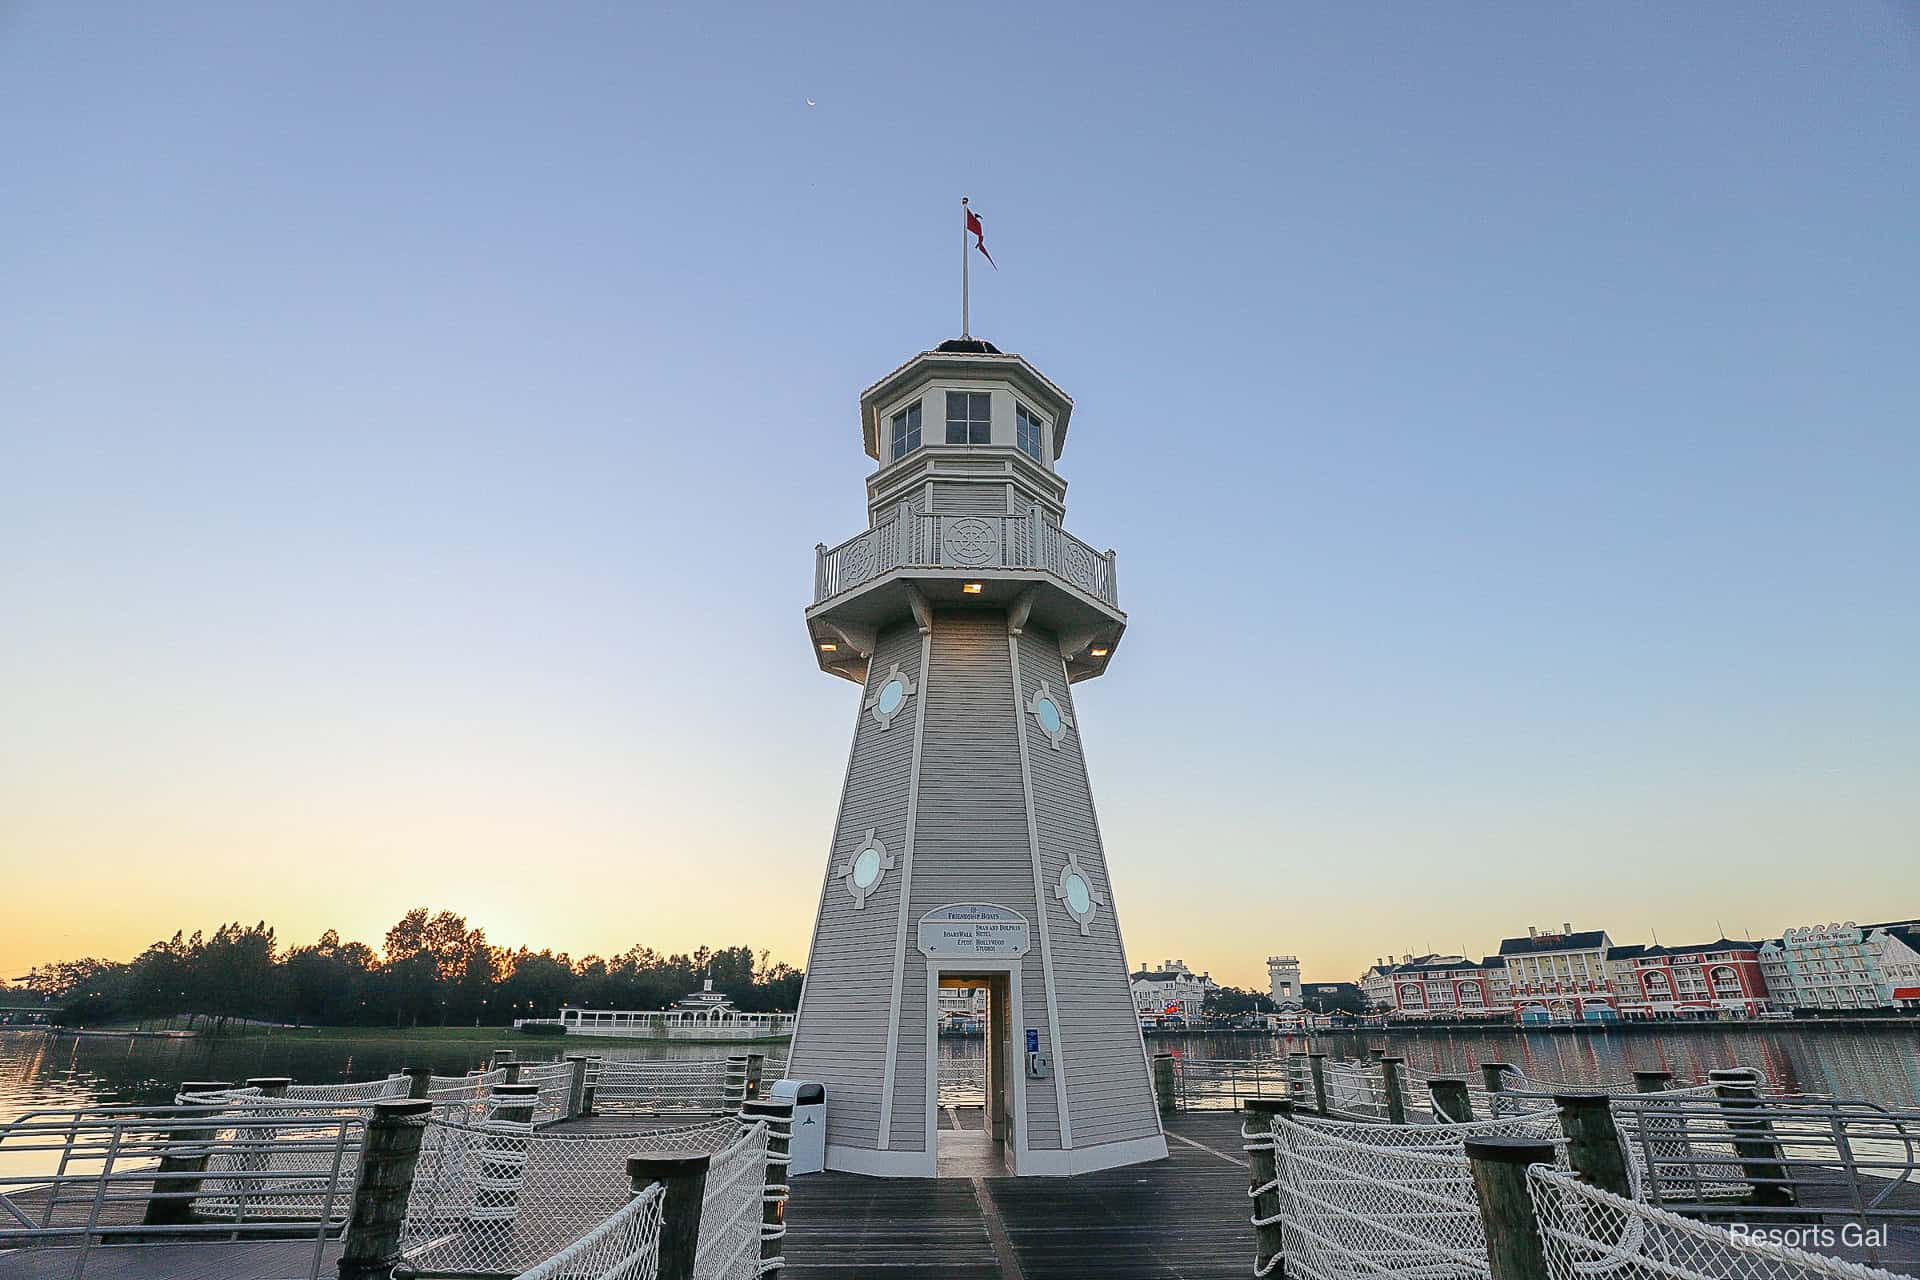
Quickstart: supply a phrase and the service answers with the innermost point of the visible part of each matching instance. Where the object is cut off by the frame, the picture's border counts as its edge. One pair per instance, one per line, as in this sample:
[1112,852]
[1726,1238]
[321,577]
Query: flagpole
[965,259]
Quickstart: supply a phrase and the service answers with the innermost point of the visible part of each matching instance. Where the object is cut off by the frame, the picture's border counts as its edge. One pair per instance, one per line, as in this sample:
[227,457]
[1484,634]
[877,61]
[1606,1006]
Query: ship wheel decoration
[890,695]
[864,870]
[971,540]
[1078,895]
[1045,707]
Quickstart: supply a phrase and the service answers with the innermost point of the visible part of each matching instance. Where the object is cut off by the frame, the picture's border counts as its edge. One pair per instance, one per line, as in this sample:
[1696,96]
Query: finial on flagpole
[964,261]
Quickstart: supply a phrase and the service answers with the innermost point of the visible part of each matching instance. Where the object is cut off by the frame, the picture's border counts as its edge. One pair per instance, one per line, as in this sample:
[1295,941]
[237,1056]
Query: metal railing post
[1451,1102]
[1594,1148]
[176,1179]
[1163,1082]
[685,1181]
[1512,1231]
[1263,1183]
[1762,1162]
[387,1161]
[773,1218]
[1390,1070]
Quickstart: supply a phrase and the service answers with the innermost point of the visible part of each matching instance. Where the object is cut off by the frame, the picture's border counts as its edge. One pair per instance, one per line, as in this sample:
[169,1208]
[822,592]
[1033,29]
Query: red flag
[980,238]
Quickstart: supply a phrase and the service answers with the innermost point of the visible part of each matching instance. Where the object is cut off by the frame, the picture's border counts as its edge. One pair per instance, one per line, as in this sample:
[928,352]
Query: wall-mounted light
[973,588]
[1099,653]
[828,646]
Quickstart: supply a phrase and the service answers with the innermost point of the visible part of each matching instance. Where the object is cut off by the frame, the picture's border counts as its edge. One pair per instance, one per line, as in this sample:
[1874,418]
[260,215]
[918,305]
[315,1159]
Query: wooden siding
[841,1039]
[1108,1085]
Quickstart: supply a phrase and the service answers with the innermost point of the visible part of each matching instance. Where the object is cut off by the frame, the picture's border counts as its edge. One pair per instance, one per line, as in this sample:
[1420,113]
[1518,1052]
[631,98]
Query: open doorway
[974,1085]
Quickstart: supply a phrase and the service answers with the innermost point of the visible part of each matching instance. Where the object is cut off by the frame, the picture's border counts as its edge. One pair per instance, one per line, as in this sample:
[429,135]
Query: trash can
[809,1099]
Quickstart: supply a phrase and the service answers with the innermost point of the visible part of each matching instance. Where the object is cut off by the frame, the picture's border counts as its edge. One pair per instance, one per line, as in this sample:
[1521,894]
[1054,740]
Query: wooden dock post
[1263,1164]
[577,1087]
[1450,1099]
[501,1057]
[270,1086]
[736,1086]
[1390,1070]
[1163,1082]
[1297,1078]
[1506,1206]
[685,1180]
[1318,1064]
[1594,1148]
[593,1083]
[1493,1075]
[176,1179]
[372,1243]
[501,1158]
[1652,1081]
[773,1218]
[756,1066]
[419,1081]
[1762,1162]
[513,1072]
[1376,1051]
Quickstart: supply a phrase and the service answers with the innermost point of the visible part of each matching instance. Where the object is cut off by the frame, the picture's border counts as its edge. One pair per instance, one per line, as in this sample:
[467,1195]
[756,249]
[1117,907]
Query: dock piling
[1263,1184]
[685,1180]
[1318,1063]
[1594,1148]
[1493,1075]
[392,1148]
[773,1218]
[1506,1206]
[577,1086]
[1163,1082]
[1391,1069]
[1652,1081]
[1762,1163]
[1450,1099]
[419,1080]
[176,1179]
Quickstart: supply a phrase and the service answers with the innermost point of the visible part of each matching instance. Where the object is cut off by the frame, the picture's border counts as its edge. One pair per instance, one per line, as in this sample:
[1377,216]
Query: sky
[416,423]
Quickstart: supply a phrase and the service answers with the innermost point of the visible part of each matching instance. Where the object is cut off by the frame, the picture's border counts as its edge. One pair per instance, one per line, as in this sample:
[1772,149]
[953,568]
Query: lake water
[40,1070]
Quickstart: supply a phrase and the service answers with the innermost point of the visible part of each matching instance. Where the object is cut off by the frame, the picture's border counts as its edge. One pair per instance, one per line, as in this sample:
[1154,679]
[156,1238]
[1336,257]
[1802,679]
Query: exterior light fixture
[973,588]
[828,646]
[1100,653]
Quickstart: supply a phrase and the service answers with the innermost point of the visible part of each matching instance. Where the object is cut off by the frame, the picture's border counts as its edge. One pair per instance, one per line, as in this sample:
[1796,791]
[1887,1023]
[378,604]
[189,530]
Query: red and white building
[1560,976]
[1719,979]
[1439,987]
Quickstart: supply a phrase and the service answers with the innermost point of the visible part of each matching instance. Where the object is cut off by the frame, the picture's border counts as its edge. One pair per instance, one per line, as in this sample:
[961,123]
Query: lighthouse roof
[965,358]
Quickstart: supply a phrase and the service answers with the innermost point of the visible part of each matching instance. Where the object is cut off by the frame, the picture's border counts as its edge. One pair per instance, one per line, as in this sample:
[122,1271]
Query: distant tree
[1231,1002]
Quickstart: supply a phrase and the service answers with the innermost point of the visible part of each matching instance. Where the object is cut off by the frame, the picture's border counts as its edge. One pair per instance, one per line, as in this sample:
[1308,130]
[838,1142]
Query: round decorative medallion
[857,563]
[971,540]
[866,869]
[892,694]
[1079,566]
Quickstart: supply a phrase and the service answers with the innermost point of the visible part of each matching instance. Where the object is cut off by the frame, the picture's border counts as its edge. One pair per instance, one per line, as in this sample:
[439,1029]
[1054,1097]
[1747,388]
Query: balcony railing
[908,539]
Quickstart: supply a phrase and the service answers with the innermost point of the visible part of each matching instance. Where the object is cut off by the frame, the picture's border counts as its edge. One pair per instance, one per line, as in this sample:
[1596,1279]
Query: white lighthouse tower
[967,852]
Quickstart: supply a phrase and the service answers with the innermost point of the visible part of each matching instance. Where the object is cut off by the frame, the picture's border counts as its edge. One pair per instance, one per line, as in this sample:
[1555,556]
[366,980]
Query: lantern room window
[906,431]
[969,417]
[1026,431]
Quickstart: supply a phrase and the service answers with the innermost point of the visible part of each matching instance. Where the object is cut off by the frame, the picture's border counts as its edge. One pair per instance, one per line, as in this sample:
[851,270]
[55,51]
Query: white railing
[667,1024]
[910,539]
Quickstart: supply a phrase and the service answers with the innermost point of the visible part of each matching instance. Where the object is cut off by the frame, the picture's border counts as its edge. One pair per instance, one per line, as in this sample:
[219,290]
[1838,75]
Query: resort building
[966,853]
[1442,987]
[1172,990]
[1560,976]
[1719,979]
[1283,983]
[1844,966]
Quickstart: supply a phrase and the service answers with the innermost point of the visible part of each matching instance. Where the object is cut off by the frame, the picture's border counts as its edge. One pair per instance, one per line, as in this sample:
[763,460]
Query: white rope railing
[394,1086]
[1362,1199]
[663,1086]
[730,1209]
[1590,1234]
[624,1247]
[497,1197]
[474,1084]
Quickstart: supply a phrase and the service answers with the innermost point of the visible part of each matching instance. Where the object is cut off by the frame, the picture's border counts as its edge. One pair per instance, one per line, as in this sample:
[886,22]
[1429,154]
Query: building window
[1026,431]
[864,869]
[906,431]
[969,417]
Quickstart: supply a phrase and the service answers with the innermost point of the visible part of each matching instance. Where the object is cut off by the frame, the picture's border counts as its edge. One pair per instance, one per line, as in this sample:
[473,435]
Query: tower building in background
[967,852]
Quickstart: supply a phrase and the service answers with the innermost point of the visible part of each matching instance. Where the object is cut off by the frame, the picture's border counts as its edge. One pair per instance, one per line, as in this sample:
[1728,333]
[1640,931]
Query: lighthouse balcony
[911,560]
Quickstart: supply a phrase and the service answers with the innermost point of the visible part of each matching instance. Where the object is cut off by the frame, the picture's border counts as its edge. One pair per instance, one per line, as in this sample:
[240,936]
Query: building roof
[1426,964]
[1167,975]
[1582,940]
[1694,948]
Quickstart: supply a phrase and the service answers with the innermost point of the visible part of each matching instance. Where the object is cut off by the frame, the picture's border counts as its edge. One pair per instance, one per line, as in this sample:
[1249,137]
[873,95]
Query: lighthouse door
[975,1082]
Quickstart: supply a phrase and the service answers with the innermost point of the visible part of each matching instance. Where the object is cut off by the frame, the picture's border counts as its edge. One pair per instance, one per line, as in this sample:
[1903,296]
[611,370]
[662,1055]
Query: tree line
[432,970]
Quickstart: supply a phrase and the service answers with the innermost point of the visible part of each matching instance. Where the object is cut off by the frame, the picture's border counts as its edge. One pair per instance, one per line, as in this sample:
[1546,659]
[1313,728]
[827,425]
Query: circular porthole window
[889,696]
[1079,896]
[1045,708]
[864,870]
[1048,713]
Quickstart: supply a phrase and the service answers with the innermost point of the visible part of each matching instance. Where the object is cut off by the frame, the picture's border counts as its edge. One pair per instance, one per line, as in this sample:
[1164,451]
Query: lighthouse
[967,852]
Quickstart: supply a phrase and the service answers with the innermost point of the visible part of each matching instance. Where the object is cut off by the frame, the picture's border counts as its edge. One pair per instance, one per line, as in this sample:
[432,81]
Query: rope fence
[624,1247]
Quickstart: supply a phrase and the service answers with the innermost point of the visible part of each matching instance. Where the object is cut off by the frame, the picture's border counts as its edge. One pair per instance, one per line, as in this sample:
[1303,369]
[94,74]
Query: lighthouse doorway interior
[974,1100]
